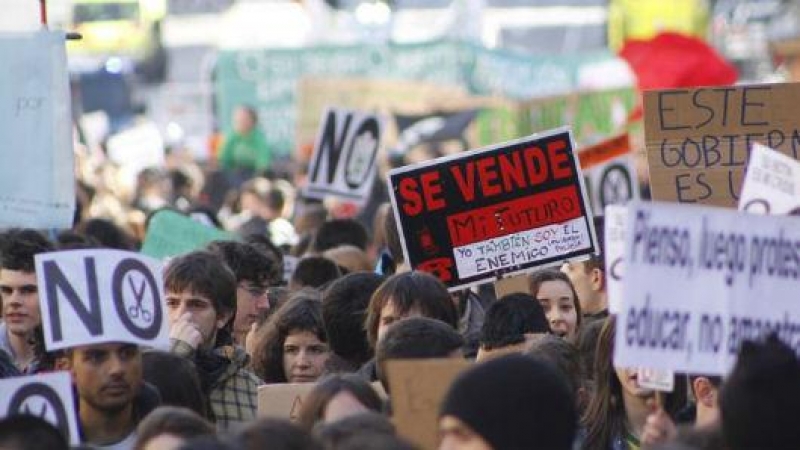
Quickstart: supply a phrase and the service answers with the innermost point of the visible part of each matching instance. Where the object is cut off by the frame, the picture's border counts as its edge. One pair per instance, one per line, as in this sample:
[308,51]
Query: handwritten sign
[171,233]
[37,184]
[698,140]
[475,216]
[345,156]
[700,280]
[417,388]
[284,400]
[48,396]
[772,183]
[96,296]
[616,219]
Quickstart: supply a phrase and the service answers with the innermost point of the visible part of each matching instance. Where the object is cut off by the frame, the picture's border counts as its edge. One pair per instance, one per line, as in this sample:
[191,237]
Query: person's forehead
[17,277]
[108,347]
[189,295]
[554,288]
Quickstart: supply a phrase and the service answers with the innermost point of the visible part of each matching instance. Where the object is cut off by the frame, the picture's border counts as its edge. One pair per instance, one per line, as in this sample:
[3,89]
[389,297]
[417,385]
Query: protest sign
[657,380]
[698,140]
[700,280]
[48,396]
[498,211]
[512,285]
[610,172]
[170,233]
[417,388]
[771,184]
[616,219]
[345,156]
[284,400]
[37,184]
[96,296]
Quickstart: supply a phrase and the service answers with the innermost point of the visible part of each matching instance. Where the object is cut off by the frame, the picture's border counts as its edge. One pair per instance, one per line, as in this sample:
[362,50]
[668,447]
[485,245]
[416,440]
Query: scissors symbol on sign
[138,309]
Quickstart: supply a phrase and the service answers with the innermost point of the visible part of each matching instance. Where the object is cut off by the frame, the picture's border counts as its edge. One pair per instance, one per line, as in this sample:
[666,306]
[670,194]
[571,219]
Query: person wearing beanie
[514,402]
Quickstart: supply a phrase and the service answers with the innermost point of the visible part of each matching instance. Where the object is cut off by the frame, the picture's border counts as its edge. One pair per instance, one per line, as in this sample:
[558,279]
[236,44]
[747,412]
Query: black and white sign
[48,396]
[345,156]
[95,296]
[612,183]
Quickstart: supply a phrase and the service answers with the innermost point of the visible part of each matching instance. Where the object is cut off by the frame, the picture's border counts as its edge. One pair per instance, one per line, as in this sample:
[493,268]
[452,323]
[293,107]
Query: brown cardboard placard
[698,140]
[511,285]
[282,400]
[417,389]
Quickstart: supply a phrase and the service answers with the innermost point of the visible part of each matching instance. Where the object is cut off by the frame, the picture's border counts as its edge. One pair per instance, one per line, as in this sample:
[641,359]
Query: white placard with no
[345,155]
[772,183]
[95,296]
[48,396]
[615,221]
[37,183]
[700,280]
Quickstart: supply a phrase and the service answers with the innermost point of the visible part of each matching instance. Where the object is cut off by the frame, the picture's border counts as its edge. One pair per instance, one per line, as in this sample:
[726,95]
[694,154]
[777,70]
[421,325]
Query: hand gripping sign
[483,214]
[48,396]
[95,296]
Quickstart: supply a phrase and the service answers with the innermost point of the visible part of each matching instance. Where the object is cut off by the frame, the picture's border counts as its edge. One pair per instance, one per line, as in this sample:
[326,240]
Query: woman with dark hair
[292,347]
[337,397]
[553,290]
[616,414]
[170,427]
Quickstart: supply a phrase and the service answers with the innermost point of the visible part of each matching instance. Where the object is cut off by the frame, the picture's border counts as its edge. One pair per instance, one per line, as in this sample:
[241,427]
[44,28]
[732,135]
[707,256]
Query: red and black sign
[483,208]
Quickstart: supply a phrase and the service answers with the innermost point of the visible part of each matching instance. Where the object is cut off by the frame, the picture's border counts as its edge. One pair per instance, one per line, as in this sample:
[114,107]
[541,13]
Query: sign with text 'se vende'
[473,217]
[47,396]
[96,296]
[772,183]
[698,140]
[345,155]
[700,280]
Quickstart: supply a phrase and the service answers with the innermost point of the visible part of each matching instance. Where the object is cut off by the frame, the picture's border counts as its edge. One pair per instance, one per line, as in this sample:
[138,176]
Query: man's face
[456,435]
[581,279]
[390,314]
[107,376]
[200,311]
[20,301]
[251,300]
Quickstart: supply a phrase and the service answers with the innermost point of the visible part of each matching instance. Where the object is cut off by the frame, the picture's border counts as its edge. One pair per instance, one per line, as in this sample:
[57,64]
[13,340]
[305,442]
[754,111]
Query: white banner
[616,219]
[95,296]
[48,396]
[700,280]
[772,183]
[37,180]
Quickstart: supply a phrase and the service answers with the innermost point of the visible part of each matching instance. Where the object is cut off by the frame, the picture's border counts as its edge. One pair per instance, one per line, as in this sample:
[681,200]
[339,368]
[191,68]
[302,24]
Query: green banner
[170,234]
[267,79]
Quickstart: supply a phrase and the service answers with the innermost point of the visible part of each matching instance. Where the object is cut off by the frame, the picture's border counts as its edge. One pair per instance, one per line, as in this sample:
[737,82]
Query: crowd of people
[542,375]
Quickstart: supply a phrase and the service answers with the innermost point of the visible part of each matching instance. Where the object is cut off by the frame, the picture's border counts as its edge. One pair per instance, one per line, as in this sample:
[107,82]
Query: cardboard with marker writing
[417,388]
[95,296]
[772,183]
[285,400]
[170,234]
[701,280]
[488,213]
[698,140]
[48,396]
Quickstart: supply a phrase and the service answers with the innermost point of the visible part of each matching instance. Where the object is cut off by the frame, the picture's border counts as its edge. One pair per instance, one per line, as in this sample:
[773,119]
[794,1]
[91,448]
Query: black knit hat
[514,403]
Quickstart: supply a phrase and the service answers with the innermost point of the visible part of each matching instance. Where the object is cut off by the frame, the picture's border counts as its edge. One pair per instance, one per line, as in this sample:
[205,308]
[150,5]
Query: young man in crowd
[20,295]
[111,395]
[201,301]
[589,279]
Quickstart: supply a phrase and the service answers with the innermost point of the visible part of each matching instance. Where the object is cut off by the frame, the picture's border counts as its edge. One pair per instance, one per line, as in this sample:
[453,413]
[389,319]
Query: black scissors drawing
[138,309]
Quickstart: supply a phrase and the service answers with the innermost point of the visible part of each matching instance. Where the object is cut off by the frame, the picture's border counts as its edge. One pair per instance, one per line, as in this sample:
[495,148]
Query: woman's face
[343,404]
[242,121]
[558,303]
[304,357]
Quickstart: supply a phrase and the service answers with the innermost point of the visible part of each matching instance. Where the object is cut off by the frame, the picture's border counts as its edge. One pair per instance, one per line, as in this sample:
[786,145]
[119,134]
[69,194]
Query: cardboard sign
[700,280]
[657,380]
[48,396]
[772,183]
[37,183]
[283,400]
[417,388]
[96,296]
[483,214]
[171,234]
[698,140]
[616,219]
[605,151]
[345,156]
[512,285]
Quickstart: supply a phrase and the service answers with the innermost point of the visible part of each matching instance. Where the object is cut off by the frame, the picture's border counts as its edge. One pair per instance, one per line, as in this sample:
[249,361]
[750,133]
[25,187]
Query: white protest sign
[657,380]
[771,184]
[95,296]
[48,396]
[345,155]
[37,183]
[612,183]
[700,280]
[616,217]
